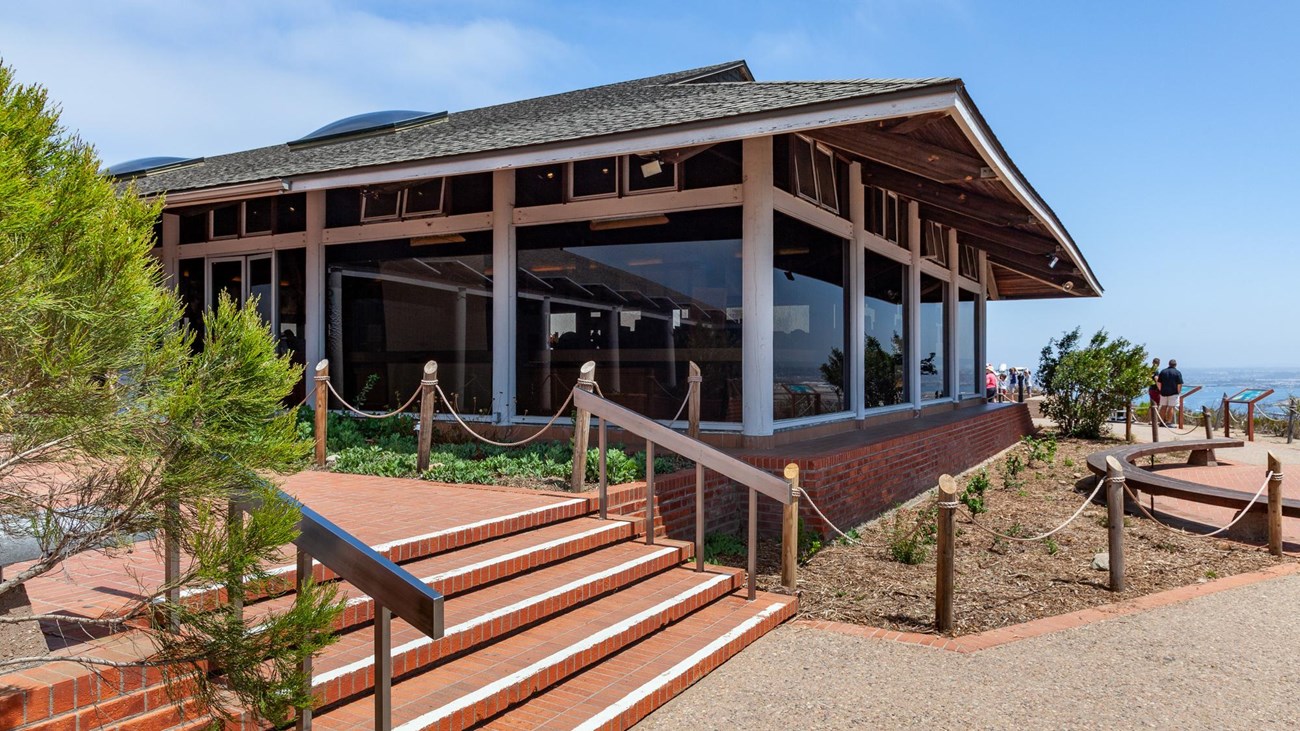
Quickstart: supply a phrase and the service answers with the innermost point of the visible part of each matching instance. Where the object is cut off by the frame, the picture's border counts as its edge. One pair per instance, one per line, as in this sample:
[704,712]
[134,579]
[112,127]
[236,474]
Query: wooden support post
[1250,421]
[1128,421]
[582,427]
[303,576]
[1209,428]
[649,493]
[1155,424]
[752,544]
[694,382]
[428,400]
[1274,505]
[383,668]
[790,531]
[1180,413]
[946,555]
[1115,521]
[1227,420]
[322,409]
[1290,420]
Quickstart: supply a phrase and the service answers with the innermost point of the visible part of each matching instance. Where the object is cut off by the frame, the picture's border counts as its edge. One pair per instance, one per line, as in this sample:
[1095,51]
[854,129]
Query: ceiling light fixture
[651,167]
[608,224]
[437,239]
[1052,261]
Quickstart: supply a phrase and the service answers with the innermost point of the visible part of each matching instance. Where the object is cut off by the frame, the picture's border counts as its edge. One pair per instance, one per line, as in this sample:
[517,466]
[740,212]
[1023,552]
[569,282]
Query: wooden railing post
[790,531]
[1209,427]
[582,428]
[1227,420]
[694,382]
[649,493]
[602,476]
[302,577]
[699,517]
[1291,406]
[1155,423]
[946,555]
[428,399]
[1115,521]
[322,409]
[383,668]
[1274,505]
[1128,421]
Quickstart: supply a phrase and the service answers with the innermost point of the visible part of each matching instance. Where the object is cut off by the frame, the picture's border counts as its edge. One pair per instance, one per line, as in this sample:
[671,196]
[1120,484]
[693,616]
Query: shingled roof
[695,95]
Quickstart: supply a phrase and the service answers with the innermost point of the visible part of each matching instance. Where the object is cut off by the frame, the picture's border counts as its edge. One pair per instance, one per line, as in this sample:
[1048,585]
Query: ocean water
[1216,382]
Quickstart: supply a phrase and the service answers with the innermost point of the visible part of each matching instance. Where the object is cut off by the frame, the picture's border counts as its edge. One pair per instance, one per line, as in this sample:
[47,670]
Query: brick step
[477,618]
[417,547]
[467,689]
[628,686]
[483,563]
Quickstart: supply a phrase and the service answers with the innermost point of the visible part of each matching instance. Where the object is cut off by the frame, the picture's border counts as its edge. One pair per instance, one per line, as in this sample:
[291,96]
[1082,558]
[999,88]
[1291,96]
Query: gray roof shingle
[694,95]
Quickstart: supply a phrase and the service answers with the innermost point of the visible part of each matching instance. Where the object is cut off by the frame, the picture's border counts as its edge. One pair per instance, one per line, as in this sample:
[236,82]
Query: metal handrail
[393,589]
[704,457]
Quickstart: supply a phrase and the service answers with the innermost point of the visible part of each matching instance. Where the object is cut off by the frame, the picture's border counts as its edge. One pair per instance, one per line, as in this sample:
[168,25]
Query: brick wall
[852,480]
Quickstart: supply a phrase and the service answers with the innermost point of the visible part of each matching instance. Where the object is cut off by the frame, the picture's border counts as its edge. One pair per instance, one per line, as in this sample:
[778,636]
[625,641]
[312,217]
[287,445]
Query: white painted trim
[226,193]
[590,641]
[886,248]
[802,421]
[981,340]
[936,271]
[314,324]
[476,524]
[892,408]
[170,244]
[424,226]
[637,205]
[757,233]
[811,214]
[611,712]
[952,358]
[505,262]
[982,138]
[708,426]
[853,381]
[914,304]
[247,245]
[704,132]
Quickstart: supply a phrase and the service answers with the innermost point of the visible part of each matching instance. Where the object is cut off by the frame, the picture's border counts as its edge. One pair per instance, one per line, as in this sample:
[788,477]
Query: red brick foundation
[852,477]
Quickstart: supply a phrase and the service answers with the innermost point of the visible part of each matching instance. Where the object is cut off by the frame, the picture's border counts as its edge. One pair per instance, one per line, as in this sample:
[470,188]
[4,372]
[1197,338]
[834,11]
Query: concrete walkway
[1226,661]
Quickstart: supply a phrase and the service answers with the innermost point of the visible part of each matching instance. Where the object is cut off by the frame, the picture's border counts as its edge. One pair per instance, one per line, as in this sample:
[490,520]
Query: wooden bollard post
[946,556]
[790,531]
[1155,424]
[1274,505]
[322,409]
[428,399]
[1227,420]
[1128,421]
[1115,521]
[694,381]
[1209,428]
[582,427]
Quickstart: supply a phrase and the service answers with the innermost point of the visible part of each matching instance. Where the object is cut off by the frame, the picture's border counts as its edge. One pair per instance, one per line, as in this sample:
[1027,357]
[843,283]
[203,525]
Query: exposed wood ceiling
[927,158]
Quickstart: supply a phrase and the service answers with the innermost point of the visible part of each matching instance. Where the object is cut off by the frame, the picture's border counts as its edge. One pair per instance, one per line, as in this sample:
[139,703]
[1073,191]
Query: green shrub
[1041,450]
[911,533]
[1085,385]
[1011,469]
[810,542]
[973,496]
[849,536]
[722,546]
[373,460]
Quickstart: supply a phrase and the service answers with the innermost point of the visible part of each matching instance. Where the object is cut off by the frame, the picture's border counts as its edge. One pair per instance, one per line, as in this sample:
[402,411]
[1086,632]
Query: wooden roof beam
[912,124]
[920,158]
[1033,266]
[924,190]
[1011,238]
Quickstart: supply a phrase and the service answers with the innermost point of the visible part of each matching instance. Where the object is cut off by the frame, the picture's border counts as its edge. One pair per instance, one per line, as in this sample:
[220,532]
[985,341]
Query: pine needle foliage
[108,414]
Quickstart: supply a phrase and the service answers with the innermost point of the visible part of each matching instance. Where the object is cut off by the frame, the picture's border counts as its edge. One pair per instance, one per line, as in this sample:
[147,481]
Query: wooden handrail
[696,451]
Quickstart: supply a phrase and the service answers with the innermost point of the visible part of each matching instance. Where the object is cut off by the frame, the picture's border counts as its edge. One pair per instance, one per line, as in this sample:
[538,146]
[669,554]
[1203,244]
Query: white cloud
[152,78]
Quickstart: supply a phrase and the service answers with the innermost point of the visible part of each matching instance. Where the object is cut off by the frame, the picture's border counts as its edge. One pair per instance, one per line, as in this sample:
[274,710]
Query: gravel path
[1225,660]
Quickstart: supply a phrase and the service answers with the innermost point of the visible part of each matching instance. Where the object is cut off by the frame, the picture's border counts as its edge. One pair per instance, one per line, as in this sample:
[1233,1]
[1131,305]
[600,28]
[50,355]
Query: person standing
[990,383]
[1171,385]
[1153,389]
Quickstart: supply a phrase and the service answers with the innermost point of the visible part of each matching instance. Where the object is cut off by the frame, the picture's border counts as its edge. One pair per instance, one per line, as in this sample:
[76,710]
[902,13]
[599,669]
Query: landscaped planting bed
[1001,582]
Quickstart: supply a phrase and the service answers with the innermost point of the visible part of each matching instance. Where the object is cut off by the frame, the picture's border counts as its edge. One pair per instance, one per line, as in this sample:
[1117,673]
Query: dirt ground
[1001,582]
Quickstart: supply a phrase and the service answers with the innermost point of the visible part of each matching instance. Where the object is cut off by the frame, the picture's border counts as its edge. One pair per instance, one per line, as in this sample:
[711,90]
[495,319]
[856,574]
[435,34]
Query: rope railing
[1030,539]
[1215,532]
[452,410]
[367,415]
[1171,427]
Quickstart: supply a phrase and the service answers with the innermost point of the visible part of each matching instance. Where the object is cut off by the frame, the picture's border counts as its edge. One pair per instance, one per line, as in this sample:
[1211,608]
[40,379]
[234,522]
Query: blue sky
[1162,133]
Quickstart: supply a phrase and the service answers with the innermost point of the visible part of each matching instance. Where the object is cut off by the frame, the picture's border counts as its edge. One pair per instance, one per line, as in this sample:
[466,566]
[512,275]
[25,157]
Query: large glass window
[393,306]
[292,305]
[190,285]
[933,336]
[884,322]
[642,303]
[967,342]
[809,338]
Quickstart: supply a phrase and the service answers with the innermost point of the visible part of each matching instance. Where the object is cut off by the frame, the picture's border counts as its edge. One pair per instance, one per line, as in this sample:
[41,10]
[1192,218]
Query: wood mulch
[1000,582]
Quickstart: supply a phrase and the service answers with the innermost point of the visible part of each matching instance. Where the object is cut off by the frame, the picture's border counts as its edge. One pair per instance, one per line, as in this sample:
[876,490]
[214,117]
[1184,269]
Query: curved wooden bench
[1155,483]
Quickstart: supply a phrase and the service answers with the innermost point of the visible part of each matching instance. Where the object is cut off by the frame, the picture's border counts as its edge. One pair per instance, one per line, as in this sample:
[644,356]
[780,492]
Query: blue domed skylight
[142,164]
[370,122]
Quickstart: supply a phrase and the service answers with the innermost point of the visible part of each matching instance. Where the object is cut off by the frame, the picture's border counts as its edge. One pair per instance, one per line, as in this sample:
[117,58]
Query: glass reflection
[884,321]
[967,336]
[933,334]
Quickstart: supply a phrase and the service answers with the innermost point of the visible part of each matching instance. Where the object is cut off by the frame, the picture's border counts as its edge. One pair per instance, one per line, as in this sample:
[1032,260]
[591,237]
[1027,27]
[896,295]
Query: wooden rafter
[912,124]
[926,191]
[1011,238]
[920,158]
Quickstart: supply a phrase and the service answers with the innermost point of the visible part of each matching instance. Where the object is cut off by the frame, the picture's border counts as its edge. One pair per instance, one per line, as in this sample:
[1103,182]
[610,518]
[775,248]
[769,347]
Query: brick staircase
[554,619]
